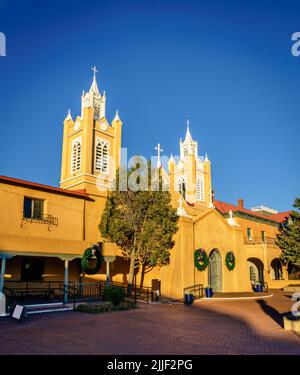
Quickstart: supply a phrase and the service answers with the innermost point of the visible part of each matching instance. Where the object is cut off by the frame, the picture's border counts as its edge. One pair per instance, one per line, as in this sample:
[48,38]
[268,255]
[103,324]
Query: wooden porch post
[66,281]
[107,274]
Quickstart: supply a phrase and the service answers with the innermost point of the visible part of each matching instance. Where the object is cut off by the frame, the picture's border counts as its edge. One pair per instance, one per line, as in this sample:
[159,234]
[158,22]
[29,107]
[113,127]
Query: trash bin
[259,288]
[188,299]
[208,292]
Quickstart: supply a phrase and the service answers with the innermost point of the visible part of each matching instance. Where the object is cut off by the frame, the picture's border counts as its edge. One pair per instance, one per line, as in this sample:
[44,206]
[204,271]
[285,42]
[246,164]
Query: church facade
[45,230]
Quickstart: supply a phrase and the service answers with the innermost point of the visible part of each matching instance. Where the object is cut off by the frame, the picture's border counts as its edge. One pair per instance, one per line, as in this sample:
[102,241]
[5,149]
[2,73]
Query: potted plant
[208,292]
[188,298]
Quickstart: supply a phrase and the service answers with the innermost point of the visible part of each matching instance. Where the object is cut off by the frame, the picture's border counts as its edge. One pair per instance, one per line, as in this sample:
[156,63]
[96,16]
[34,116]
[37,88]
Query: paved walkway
[209,327]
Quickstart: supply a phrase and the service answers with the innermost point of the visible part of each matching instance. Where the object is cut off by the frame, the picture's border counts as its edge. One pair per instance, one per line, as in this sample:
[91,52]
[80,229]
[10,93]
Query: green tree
[288,238]
[140,221]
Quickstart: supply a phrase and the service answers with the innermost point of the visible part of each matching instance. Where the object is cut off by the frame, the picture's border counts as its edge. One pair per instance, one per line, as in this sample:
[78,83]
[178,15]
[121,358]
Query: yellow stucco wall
[78,220]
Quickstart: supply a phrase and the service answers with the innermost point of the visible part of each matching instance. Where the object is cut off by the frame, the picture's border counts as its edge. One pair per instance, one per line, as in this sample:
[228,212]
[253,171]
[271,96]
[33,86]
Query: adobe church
[44,230]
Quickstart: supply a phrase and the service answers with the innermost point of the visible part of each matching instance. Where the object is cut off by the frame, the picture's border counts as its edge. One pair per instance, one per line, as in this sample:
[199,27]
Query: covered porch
[30,277]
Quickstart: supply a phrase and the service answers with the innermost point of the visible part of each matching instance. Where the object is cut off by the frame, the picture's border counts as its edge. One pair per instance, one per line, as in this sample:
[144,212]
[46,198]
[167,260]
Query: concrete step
[45,308]
[50,304]
[47,311]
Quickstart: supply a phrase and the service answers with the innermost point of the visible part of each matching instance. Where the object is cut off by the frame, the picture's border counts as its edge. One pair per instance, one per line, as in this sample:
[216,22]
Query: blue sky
[225,65]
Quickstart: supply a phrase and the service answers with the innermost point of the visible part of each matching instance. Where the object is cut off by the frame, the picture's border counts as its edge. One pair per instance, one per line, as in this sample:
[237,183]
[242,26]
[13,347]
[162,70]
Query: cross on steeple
[94,69]
[188,123]
[159,150]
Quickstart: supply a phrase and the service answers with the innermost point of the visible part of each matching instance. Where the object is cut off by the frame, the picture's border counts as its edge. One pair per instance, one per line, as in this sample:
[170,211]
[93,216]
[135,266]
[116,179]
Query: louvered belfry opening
[102,156]
[76,157]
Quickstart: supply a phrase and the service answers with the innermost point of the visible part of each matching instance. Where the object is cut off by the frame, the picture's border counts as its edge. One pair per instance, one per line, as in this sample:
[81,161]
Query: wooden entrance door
[215,271]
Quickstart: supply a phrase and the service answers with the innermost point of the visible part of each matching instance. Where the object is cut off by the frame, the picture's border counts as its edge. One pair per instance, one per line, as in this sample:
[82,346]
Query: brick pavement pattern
[207,327]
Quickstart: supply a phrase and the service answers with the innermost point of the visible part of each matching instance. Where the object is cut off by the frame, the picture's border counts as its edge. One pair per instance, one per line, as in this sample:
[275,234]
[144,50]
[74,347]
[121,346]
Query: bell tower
[191,175]
[91,145]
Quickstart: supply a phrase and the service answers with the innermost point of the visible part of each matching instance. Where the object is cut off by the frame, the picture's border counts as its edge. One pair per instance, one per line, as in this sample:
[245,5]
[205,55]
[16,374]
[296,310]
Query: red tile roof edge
[224,208]
[74,193]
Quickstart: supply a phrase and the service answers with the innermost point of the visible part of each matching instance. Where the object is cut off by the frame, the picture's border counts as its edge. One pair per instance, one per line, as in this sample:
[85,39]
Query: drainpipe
[3,266]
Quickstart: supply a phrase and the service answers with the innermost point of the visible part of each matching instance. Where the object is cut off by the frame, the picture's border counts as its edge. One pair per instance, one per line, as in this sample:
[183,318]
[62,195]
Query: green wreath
[91,253]
[230,260]
[201,259]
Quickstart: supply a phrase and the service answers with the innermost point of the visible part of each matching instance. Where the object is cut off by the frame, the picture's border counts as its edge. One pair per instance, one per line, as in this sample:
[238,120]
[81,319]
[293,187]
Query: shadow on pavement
[271,312]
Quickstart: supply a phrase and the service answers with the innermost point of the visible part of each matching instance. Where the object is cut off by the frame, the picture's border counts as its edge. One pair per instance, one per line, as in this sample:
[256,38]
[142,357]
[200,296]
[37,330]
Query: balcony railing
[39,217]
[260,241]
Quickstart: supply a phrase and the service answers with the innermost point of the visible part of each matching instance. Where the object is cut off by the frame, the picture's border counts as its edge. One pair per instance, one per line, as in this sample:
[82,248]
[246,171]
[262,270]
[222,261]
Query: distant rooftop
[262,208]
[225,208]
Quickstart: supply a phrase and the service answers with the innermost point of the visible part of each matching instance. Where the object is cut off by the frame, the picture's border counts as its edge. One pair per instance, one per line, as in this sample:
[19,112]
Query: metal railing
[259,241]
[24,289]
[136,292]
[20,291]
[37,216]
[196,290]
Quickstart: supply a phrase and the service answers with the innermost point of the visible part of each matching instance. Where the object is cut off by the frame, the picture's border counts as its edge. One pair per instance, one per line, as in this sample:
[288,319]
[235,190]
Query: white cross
[94,69]
[159,150]
[187,123]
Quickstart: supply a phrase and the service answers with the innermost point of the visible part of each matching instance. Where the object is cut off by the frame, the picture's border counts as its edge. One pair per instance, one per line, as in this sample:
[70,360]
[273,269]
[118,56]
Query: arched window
[182,186]
[76,155]
[102,156]
[200,189]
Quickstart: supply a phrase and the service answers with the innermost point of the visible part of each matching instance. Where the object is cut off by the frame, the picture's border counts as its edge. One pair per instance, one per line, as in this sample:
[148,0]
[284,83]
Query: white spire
[172,159]
[211,198]
[117,118]
[231,220]
[93,99]
[69,117]
[180,210]
[188,136]
[188,146]
[94,88]
[206,157]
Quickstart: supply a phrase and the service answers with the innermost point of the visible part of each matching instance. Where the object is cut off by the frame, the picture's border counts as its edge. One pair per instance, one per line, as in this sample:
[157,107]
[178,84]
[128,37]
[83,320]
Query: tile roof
[224,208]
[73,193]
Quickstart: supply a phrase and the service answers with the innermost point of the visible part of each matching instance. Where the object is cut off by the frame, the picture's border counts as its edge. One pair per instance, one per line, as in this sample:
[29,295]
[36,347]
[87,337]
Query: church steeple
[91,145]
[191,175]
[188,146]
[94,88]
[94,99]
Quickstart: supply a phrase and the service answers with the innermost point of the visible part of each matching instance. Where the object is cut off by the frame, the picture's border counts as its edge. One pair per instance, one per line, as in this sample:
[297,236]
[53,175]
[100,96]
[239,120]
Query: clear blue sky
[225,65]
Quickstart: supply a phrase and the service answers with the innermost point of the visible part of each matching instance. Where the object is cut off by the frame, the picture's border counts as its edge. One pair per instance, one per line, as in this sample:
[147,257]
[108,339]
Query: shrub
[97,308]
[294,276]
[114,294]
[126,306]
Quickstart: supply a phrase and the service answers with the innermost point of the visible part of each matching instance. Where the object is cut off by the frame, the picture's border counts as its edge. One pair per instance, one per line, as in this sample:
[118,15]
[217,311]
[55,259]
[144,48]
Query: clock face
[103,126]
